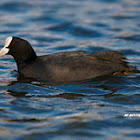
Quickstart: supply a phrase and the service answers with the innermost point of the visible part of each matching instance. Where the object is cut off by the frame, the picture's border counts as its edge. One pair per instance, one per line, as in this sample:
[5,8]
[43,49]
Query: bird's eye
[13,43]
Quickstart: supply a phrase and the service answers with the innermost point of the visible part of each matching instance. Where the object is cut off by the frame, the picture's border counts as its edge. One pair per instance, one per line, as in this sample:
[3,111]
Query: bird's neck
[22,61]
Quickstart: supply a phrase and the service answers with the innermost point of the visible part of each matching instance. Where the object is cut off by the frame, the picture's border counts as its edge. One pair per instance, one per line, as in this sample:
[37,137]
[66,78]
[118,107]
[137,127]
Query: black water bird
[63,66]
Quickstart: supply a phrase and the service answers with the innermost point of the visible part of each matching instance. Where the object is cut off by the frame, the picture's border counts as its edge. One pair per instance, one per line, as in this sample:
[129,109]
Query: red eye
[13,43]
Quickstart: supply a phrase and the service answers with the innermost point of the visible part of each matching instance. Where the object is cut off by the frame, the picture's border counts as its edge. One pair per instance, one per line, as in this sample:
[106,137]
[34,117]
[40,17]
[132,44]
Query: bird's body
[66,66]
[73,66]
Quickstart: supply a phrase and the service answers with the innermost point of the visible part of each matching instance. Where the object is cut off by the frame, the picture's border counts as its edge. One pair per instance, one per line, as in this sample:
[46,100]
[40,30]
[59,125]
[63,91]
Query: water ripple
[89,109]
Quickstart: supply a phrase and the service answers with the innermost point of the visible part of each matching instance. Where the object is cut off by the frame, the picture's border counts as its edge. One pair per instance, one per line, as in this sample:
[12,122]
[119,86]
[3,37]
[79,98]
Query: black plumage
[65,66]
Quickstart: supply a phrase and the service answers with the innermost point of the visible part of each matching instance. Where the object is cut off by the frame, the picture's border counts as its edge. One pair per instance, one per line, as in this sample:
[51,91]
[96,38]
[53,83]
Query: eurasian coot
[63,66]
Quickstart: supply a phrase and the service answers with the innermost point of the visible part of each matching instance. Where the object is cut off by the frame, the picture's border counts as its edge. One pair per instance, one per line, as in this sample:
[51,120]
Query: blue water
[90,109]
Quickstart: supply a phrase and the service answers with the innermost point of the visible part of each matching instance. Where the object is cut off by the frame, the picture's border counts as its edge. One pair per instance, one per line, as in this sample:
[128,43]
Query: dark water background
[91,109]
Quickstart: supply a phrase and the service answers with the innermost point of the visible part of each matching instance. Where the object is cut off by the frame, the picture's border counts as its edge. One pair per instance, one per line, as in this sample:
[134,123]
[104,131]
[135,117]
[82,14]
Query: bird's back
[75,66]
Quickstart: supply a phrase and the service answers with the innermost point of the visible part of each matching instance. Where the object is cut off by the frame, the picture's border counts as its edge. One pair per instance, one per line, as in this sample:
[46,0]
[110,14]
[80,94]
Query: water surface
[95,108]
